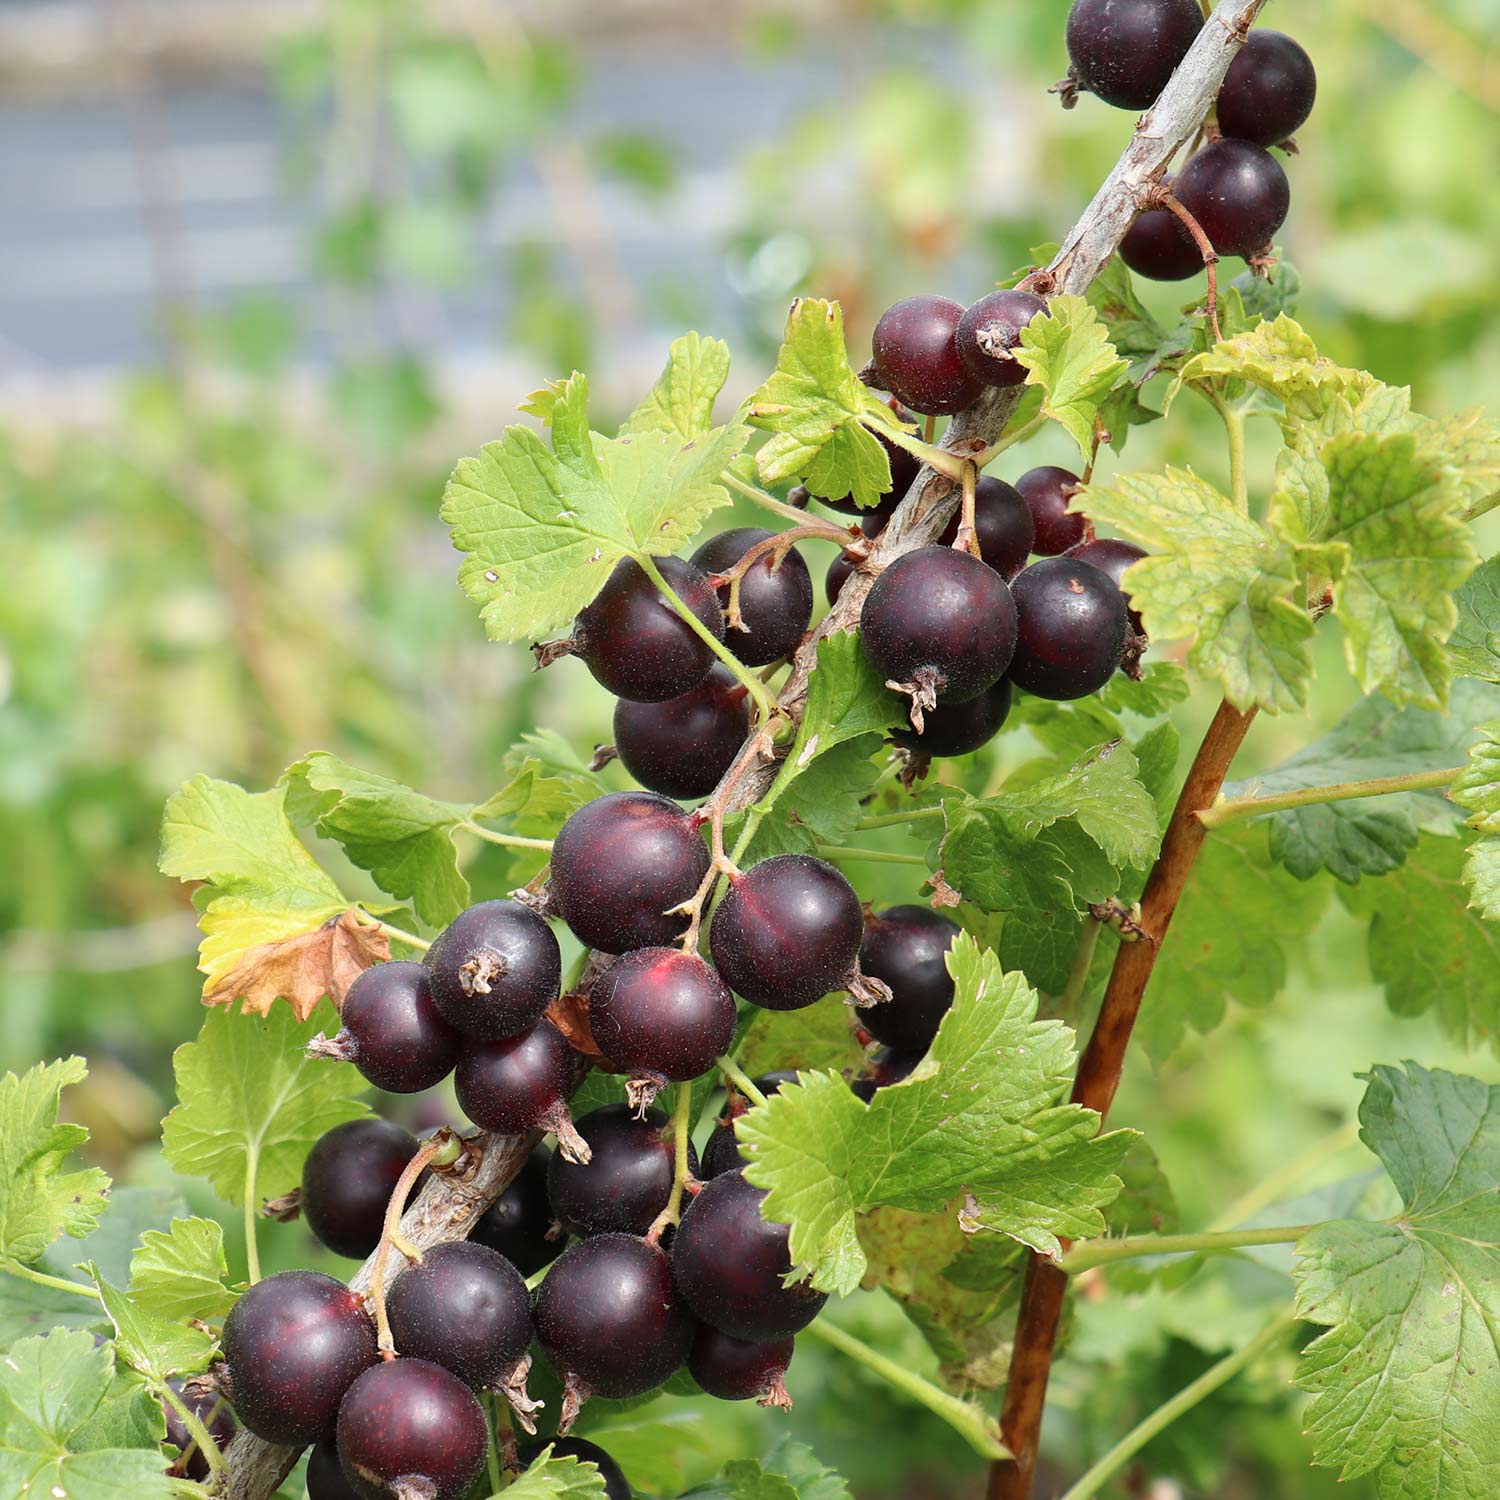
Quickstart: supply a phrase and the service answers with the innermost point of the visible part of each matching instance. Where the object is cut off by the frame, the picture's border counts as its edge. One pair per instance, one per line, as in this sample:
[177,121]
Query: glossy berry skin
[633,640]
[738,1369]
[408,1419]
[886,1067]
[609,1318]
[397,1039]
[989,329]
[1125,50]
[214,1412]
[787,932]
[616,1487]
[521,1083]
[907,946]
[916,354]
[464,1307]
[517,1223]
[959,728]
[775,606]
[904,469]
[619,865]
[1048,491]
[494,970]
[682,747]
[1269,90]
[1238,193]
[721,1152]
[626,1183]
[1111,556]
[294,1344]
[661,1012]
[838,575]
[1158,247]
[347,1180]
[1073,629]
[325,1475]
[940,618]
[1002,526]
[730,1263]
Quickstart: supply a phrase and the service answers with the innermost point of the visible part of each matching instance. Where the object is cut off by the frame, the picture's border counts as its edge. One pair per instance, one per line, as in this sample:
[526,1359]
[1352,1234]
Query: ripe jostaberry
[293,1344]
[616,1486]
[522,1083]
[620,864]
[1239,195]
[907,947]
[392,1031]
[1073,629]
[682,747]
[740,1369]
[216,1414]
[518,1224]
[885,1067]
[1269,90]
[411,1430]
[1158,247]
[628,1178]
[1048,491]
[990,329]
[775,602]
[347,1180]
[959,728]
[787,933]
[1125,51]
[1112,557]
[838,575]
[722,1151]
[1003,526]
[494,970]
[325,1475]
[916,356]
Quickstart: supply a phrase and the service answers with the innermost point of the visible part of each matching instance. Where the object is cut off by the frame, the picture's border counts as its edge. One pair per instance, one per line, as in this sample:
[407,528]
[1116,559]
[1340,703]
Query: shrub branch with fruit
[879,1098]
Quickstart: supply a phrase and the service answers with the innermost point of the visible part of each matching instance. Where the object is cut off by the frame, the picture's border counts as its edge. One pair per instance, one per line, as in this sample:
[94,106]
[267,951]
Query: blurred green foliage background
[230,553]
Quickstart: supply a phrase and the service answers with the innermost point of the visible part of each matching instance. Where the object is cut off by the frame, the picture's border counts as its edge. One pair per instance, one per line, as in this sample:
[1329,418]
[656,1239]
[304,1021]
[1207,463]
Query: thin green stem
[753,818]
[512,840]
[972,1423]
[252,1217]
[41,1278]
[895,819]
[1234,428]
[1232,809]
[537,1277]
[493,1456]
[202,1438]
[1083,958]
[761,498]
[762,698]
[1482,507]
[949,465]
[870,856]
[400,934]
[682,1169]
[1093,1253]
[1184,1401]
[1009,440]
[737,1076]
[1275,1187]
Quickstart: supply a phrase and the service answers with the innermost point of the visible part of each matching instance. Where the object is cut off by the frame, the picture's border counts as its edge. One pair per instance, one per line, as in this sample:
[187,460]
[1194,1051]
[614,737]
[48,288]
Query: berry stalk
[1093,1253]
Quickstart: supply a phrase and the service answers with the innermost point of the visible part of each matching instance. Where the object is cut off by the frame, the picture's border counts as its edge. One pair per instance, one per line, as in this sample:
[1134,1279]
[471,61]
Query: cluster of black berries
[1125,51]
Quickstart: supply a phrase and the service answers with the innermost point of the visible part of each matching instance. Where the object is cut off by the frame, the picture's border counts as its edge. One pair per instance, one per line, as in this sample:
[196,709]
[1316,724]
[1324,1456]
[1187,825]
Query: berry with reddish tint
[325,1475]
[838,575]
[619,866]
[886,1067]
[411,1430]
[494,970]
[939,623]
[210,1408]
[1112,557]
[626,1182]
[518,1223]
[464,1307]
[393,1032]
[1158,247]
[1073,629]
[633,640]
[741,1369]
[1238,194]
[1048,491]
[293,1345]
[347,1180]
[907,947]
[730,1264]
[775,602]
[616,1486]
[787,932]
[609,1318]
[916,355]
[959,728]
[521,1083]
[990,329]
[904,470]
[1125,51]
[682,747]
[1002,526]
[722,1151]
[1269,90]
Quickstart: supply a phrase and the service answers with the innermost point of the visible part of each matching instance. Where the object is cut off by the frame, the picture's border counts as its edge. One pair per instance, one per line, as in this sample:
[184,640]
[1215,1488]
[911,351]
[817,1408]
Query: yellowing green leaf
[682,400]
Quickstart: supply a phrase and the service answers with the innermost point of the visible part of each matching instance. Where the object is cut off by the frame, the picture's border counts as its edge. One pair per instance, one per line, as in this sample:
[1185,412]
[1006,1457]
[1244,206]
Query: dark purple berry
[1002,526]
[293,1345]
[619,866]
[615,1485]
[787,932]
[775,603]
[741,1369]
[210,1407]
[494,970]
[1158,247]
[1073,628]
[625,1184]
[411,1430]
[518,1223]
[1238,194]
[1048,491]
[904,469]
[395,1036]
[722,1152]
[464,1307]
[325,1475]
[633,640]
[519,1084]
[907,947]
[939,623]
[348,1179]
[990,329]
[609,1319]
[838,575]
[1269,90]
[730,1265]
[1125,51]
[886,1067]
[1112,557]
[917,356]
[682,747]
[958,728]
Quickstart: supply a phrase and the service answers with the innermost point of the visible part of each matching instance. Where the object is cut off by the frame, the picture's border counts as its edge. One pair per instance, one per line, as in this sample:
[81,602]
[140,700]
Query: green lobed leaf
[1406,1382]
[744,1479]
[813,1480]
[1068,354]
[39,1201]
[154,1346]
[251,1102]
[682,400]
[1477,789]
[1482,876]
[181,1273]
[1474,645]
[816,1038]
[549,1477]
[542,526]
[982,1115]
